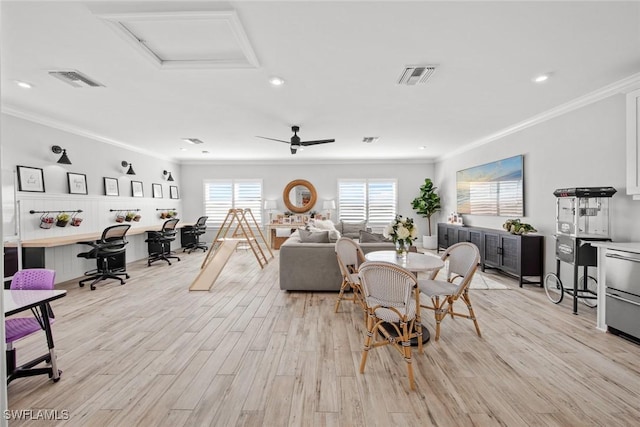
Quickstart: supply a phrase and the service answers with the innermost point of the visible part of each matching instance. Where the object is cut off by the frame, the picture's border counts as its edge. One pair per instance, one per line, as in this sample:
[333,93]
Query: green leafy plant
[428,202]
[514,226]
[63,217]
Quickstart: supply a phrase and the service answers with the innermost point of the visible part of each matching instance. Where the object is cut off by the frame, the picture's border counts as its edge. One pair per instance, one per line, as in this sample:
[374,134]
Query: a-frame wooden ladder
[223,247]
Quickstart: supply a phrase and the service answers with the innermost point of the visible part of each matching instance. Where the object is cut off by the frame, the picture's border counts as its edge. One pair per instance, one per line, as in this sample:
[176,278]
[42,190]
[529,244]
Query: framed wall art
[111,187]
[157,191]
[77,183]
[30,179]
[173,192]
[137,189]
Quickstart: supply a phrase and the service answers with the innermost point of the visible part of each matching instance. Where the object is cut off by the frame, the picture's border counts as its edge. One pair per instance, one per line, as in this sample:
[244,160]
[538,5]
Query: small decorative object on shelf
[137,218]
[62,219]
[455,218]
[129,216]
[514,226]
[403,232]
[119,217]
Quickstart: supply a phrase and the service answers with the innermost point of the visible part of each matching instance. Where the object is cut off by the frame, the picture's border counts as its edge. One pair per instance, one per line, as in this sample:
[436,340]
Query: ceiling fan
[295,142]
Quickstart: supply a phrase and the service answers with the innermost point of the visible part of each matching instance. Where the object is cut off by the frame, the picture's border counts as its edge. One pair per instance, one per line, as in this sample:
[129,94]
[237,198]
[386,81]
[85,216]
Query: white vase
[430,242]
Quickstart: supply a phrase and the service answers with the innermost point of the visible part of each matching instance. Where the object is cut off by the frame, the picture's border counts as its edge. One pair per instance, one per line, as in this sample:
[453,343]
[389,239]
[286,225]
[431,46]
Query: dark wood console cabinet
[518,255]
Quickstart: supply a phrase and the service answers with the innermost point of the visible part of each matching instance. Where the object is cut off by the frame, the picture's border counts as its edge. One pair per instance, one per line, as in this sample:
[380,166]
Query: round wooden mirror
[299,196]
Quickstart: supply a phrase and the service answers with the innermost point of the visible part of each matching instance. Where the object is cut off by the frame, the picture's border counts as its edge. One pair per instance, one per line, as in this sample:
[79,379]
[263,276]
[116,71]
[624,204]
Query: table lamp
[329,205]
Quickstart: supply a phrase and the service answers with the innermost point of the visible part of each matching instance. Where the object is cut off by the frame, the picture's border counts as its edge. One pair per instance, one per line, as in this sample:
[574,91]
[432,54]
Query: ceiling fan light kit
[295,144]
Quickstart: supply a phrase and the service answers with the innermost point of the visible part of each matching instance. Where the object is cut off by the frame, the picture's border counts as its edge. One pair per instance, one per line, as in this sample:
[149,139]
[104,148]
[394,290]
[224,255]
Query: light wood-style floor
[151,353]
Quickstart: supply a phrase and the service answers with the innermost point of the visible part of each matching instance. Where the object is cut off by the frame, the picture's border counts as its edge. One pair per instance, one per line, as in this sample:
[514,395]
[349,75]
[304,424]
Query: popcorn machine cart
[582,217]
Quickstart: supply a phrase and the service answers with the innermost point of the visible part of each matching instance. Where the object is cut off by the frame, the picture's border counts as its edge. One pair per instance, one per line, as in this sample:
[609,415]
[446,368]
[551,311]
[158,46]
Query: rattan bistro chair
[462,259]
[350,256]
[393,308]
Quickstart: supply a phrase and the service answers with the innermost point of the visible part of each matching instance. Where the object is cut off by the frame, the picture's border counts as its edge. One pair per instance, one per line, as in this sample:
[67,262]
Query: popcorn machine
[582,216]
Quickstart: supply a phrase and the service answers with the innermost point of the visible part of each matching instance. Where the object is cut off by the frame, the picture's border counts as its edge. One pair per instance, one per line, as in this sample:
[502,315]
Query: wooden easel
[223,247]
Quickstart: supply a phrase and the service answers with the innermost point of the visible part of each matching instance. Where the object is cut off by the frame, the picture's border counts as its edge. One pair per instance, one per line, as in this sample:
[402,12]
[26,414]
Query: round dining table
[415,262]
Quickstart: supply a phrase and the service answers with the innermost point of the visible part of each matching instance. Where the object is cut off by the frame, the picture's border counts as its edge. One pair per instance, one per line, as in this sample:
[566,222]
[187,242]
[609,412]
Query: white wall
[583,148]
[324,177]
[28,143]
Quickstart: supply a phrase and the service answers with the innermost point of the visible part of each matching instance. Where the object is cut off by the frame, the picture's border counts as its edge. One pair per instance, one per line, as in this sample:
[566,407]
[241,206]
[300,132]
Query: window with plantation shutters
[222,195]
[371,200]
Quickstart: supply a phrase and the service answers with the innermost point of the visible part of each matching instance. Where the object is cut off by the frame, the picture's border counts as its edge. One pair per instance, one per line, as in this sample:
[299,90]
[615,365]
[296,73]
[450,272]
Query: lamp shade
[329,204]
[270,204]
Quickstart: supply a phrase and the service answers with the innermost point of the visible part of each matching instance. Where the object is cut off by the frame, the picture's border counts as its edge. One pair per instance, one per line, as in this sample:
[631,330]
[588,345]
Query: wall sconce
[124,164]
[165,173]
[63,159]
[329,205]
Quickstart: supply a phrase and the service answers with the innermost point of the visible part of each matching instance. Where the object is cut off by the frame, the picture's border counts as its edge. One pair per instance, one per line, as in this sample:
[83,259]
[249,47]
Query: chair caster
[93,288]
[127,276]
[81,285]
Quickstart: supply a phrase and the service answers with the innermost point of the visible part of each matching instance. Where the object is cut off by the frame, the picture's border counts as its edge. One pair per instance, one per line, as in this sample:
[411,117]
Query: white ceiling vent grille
[416,74]
[194,141]
[75,78]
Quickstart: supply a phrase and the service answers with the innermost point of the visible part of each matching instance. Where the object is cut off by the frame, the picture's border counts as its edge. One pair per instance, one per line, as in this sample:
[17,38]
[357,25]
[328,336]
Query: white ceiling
[340,61]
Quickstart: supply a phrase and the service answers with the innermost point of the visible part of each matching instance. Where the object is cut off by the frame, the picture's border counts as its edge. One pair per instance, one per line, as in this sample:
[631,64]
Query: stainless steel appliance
[622,313]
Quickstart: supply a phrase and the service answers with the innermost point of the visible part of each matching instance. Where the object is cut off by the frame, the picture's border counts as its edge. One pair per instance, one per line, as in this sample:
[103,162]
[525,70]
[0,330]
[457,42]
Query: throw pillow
[369,237]
[313,236]
[353,228]
[325,224]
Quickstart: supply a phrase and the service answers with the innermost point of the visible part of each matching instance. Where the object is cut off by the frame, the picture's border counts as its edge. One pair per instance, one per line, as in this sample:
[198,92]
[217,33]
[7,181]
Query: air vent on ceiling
[370,139]
[192,140]
[75,78]
[416,74]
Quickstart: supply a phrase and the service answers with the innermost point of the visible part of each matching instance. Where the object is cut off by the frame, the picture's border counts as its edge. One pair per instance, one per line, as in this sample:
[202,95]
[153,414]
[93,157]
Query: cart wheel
[553,288]
[592,285]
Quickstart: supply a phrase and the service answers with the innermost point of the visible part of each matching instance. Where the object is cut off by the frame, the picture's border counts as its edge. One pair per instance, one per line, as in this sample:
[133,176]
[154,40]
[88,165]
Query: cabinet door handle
[499,250]
[622,299]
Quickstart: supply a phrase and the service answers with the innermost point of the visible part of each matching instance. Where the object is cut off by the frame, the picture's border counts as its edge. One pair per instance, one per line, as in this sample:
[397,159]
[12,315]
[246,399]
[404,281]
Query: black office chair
[159,242]
[194,232]
[110,255]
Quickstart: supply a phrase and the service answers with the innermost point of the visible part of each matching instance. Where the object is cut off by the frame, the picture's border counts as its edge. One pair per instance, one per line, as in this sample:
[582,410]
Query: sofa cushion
[313,236]
[323,224]
[369,237]
[352,229]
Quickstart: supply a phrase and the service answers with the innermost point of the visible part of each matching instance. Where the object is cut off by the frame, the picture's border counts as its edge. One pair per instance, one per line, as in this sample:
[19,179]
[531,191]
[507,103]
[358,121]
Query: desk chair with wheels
[159,242]
[20,327]
[194,232]
[109,253]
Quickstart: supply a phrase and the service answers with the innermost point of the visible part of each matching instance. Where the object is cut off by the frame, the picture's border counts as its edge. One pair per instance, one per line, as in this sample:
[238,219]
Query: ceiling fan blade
[320,141]
[273,139]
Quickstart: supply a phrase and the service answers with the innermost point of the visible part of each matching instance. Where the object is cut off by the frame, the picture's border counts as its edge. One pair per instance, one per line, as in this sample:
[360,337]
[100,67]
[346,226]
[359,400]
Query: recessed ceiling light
[541,78]
[276,81]
[422,147]
[24,85]
[183,149]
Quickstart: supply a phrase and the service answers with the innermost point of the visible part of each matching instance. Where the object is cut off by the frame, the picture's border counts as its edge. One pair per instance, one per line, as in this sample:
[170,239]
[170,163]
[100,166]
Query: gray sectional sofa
[313,266]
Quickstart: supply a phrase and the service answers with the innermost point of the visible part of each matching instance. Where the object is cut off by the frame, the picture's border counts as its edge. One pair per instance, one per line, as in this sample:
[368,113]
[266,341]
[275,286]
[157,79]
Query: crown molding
[620,87]
[253,162]
[65,127]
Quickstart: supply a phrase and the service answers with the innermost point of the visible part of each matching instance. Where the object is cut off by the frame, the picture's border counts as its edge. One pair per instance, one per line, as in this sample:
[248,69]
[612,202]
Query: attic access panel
[186,39]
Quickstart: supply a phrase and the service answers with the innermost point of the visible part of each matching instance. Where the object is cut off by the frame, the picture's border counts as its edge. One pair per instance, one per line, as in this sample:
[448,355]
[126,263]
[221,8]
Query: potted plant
[129,217]
[427,204]
[62,219]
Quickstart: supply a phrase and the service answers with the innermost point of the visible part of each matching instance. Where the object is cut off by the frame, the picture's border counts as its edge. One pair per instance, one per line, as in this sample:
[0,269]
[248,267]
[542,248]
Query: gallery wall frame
[77,183]
[137,189]
[111,187]
[30,179]
[173,192]
[157,191]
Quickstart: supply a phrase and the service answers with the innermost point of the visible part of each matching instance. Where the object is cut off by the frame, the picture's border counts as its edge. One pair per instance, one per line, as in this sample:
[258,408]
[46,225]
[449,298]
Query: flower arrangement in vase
[403,232]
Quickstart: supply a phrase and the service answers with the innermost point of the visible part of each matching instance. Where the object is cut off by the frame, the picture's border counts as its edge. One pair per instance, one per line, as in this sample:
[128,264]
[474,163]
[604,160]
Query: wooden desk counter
[50,242]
